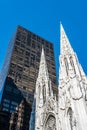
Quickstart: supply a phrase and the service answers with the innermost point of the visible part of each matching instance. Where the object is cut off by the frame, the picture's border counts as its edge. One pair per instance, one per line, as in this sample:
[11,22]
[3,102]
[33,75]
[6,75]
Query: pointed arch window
[39,91]
[49,91]
[71,120]
[72,63]
[44,93]
[49,88]
[66,65]
[51,123]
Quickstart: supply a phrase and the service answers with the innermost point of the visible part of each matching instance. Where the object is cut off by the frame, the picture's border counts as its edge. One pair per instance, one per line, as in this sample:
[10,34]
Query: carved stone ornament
[51,123]
[50,105]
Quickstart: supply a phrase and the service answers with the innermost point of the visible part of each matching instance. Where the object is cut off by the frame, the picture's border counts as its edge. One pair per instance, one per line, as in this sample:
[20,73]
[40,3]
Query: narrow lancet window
[44,93]
[71,120]
[49,88]
[39,91]
[66,65]
[72,63]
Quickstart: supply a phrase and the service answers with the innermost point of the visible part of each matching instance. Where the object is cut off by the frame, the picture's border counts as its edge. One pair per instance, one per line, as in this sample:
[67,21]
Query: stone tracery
[51,123]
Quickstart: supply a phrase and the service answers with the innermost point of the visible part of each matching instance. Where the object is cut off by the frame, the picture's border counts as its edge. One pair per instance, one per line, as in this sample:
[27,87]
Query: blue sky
[43,18]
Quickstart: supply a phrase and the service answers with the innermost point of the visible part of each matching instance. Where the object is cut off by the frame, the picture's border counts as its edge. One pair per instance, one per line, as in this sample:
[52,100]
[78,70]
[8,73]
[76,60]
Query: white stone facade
[69,112]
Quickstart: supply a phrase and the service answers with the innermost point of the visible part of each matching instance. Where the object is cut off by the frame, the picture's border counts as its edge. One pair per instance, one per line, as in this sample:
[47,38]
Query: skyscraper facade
[20,69]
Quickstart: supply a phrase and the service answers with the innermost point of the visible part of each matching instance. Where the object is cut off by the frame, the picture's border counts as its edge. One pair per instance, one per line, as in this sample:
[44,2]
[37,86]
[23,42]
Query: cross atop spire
[43,71]
[65,47]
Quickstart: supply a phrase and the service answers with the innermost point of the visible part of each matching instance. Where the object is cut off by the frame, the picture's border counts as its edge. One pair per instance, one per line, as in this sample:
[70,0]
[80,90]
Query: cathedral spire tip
[61,26]
[42,53]
[43,66]
[65,46]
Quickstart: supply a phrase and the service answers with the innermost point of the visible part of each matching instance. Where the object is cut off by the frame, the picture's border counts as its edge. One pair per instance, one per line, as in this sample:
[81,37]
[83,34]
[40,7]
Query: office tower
[4,120]
[21,66]
[19,119]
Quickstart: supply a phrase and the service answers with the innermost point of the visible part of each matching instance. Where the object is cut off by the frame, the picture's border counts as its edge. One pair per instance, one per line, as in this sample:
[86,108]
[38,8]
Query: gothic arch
[71,119]
[69,114]
[39,90]
[72,63]
[49,88]
[50,122]
[44,93]
[66,65]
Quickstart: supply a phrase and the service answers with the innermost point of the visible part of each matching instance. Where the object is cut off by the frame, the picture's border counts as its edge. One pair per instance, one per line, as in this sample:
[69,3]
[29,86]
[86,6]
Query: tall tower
[20,70]
[46,109]
[72,88]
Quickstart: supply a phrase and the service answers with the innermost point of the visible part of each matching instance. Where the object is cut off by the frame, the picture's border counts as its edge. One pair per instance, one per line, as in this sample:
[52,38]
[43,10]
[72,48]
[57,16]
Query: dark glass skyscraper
[20,69]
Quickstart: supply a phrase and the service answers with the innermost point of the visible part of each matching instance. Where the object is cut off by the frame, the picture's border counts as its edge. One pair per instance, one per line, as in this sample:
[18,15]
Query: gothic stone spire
[72,87]
[43,91]
[65,46]
[43,83]
[43,71]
